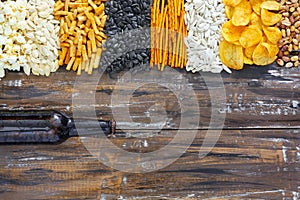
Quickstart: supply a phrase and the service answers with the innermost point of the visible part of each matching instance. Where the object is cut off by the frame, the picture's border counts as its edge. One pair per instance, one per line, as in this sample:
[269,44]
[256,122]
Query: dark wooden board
[256,156]
[244,164]
[266,97]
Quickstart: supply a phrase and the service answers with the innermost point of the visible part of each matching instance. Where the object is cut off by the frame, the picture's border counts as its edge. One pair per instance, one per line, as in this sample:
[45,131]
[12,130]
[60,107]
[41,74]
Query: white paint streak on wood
[13,83]
[284,154]
[40,158]
[246,194]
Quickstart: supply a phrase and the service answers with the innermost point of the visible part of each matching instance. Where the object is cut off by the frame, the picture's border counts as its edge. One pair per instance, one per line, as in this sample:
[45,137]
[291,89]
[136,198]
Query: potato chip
[231,2]
[231,55]
[264,39]
[255,20]
[230,32]
[242,13]
[248,37]
[270,5]
[228,11]
[261,56]
[251,36]
[249,51]
[269,18]
[256,5]
[236,43]
[272,59]
[273,34]
[272,49]
[248,61]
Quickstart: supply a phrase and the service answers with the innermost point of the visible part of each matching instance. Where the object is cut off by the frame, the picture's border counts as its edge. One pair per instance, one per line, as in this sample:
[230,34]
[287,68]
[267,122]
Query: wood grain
[256,97]
[256,156]
[243,164]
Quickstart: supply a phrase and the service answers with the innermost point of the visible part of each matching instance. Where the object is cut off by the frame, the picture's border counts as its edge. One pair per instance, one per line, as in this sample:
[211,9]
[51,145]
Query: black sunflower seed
[127,28]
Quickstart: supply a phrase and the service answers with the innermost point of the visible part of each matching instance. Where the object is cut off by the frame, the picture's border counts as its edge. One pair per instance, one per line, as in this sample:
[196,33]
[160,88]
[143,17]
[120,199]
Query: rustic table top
[256,155]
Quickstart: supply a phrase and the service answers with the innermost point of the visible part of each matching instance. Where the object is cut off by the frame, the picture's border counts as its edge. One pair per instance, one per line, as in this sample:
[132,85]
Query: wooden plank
[243,164]
[266,97]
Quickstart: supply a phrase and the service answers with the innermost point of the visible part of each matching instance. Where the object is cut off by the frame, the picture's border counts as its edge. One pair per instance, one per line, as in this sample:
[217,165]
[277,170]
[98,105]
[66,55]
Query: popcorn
[20,39]
[28,37]
[26,69]
[7,9]
[2,40]
[15,67]
[26,48]
[2,19]
[12,59]
[12,21]
[7,31]
[22,60]
[2,73]
[11,14]
[16,49]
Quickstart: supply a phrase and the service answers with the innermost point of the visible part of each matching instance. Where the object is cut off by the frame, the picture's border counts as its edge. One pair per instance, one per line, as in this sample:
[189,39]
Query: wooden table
[256,156]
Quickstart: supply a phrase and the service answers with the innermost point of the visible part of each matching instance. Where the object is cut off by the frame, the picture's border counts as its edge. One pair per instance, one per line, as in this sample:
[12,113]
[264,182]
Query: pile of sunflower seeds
[204,20]
[128,45]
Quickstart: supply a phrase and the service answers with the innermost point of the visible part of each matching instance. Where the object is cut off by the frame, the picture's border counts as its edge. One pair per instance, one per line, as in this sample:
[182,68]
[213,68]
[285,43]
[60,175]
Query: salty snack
[269,18]
[231,55]
[81,33]
[167,36]
[250,36]
[241,13]
[232,33]
[124,18]
[289,26]
[204,20]
[253,32]
[12,23]
[28,37]
[273,34]
[42,37]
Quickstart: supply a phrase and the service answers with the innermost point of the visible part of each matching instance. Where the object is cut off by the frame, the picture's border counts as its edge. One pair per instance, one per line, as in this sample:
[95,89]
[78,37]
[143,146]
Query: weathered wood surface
[256,97]
[257,155]
[243,164]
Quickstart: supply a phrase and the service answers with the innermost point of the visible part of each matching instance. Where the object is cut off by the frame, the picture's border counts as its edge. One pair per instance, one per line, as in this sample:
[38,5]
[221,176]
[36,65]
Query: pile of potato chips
[250,36]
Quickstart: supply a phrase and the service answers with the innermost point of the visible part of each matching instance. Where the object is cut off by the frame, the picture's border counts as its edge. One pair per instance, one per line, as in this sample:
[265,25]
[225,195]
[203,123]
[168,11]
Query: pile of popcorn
[29,37]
